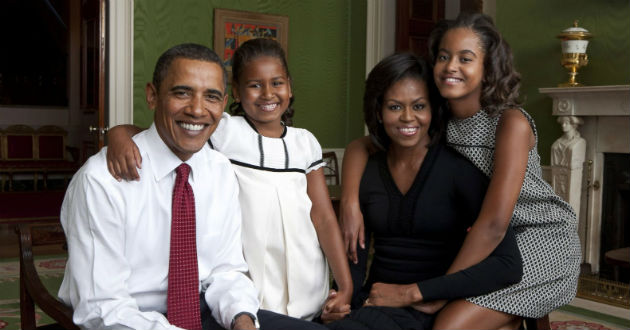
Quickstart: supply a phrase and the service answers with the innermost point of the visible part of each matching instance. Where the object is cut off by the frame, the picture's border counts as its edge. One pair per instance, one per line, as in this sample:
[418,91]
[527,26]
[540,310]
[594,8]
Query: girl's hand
[430,307]
[353,228]
[335,307]
[123,155]
[393,295]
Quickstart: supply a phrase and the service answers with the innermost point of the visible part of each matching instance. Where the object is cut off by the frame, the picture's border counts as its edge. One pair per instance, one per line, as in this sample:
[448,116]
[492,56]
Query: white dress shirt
[119,232]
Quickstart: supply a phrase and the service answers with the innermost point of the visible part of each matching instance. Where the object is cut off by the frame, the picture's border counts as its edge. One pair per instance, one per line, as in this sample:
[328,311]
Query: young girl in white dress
[289,226]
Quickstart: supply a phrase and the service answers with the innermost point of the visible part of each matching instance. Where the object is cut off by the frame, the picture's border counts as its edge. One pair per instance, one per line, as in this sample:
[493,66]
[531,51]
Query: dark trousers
[379,318]
[268,321]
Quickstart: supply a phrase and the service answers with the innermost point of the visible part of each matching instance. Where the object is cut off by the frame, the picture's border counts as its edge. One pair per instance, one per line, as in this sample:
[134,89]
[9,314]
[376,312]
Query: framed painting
[234,27]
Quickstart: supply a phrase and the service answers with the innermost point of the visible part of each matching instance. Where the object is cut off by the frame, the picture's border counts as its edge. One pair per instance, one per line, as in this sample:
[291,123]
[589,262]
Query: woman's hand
[354,159]
[393,295]
[352,228]
[336,307]
[123,155]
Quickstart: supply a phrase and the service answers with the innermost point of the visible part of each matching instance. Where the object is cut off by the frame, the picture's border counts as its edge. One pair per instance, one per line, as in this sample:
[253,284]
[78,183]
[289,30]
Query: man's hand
[244,322]
[393,295]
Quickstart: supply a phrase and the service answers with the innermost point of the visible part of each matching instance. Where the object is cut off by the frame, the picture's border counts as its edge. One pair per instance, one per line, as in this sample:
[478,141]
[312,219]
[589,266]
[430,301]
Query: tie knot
[182,171]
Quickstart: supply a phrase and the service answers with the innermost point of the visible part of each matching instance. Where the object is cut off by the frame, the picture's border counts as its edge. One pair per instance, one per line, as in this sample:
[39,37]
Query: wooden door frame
[102,65]
[381,20]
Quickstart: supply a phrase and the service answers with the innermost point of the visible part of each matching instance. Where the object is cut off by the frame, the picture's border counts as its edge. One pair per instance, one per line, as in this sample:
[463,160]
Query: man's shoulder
[96,165]
[94,172]
[214,157]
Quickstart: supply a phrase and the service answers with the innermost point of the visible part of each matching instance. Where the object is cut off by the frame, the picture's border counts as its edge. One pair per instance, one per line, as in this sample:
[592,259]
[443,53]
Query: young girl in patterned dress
[289,226]
[473,71]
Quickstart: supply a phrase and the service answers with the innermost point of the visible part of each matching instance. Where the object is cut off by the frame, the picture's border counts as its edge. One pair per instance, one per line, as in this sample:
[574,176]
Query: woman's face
[459,69]
[406,113]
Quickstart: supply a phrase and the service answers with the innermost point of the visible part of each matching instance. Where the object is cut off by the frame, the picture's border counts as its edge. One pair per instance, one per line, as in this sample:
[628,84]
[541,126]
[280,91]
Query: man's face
[188,104]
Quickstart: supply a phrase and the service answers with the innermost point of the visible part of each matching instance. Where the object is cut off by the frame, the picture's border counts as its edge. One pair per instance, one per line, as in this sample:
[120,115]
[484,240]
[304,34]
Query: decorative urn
[574,41]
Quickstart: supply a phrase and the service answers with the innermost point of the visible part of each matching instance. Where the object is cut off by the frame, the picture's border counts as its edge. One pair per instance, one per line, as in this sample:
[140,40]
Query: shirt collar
[163,161]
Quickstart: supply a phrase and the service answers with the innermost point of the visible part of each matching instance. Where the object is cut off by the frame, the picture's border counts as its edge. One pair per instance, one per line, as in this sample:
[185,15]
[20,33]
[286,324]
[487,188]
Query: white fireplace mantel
[590,101]
[605,111]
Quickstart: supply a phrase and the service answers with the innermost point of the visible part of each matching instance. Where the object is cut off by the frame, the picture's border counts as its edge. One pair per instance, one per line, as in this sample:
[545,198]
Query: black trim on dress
[236,162]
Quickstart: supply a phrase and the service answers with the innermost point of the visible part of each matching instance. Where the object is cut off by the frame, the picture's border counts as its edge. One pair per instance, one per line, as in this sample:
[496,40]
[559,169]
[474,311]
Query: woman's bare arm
[354,160]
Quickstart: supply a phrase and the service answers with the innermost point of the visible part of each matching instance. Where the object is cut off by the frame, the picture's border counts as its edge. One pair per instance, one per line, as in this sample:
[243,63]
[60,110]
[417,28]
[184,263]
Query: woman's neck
[404,164]
[406,156]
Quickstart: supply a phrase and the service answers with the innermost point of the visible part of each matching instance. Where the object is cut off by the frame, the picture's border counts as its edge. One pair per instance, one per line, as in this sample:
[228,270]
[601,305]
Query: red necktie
[183,276]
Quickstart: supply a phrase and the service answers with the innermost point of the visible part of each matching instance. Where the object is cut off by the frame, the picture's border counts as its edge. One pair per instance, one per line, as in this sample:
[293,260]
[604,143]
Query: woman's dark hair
[383,76]
[501,82]
[253,49]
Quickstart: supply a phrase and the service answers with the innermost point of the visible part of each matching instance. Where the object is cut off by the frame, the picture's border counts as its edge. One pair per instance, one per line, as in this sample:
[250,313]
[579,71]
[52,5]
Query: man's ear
[225,100]
[151,95]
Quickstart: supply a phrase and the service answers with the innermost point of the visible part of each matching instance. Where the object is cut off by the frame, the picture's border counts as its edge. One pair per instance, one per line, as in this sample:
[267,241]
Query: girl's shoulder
[516,119]
[300,135]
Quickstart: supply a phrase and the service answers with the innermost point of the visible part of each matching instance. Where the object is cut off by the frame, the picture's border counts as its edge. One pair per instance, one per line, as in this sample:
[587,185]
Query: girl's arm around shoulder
[514,139]
[123,155]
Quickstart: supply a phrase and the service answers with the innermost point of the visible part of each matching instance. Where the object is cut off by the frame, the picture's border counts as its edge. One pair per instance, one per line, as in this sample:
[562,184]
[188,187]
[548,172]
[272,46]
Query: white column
[120,53]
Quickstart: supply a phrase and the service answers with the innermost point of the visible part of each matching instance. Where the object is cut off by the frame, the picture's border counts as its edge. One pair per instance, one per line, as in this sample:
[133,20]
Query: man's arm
[95,282]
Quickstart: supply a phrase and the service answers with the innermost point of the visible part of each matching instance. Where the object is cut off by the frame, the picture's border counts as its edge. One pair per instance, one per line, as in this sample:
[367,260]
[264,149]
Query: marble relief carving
[567,158]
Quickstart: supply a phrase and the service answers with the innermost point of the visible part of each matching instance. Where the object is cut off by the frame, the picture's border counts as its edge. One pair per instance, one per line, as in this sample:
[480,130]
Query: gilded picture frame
[233,27]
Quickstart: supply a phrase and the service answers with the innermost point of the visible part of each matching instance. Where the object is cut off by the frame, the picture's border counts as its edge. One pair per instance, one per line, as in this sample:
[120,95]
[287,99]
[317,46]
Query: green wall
[531,28]
[324,35]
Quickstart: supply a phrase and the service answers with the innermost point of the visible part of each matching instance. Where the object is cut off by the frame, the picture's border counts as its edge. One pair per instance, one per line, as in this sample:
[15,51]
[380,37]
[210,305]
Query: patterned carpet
[51,270]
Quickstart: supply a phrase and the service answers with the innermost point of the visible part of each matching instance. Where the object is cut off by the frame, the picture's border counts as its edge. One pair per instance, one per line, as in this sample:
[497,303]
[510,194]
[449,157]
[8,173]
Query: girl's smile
[268,107]
[264,92]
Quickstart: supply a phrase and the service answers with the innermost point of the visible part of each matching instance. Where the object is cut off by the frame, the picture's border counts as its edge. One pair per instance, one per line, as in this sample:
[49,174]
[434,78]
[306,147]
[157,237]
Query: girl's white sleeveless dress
[280,244]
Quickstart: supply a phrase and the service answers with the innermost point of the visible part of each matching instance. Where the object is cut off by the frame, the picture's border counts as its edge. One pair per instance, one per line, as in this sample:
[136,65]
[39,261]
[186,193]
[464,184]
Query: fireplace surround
[605,111]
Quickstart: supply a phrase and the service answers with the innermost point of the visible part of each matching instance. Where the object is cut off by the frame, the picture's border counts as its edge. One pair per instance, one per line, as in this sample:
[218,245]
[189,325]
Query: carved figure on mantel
[567,156]
[568,150]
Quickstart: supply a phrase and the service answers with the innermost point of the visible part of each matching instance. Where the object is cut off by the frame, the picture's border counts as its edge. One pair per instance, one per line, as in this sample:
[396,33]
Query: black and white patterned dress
[545,226]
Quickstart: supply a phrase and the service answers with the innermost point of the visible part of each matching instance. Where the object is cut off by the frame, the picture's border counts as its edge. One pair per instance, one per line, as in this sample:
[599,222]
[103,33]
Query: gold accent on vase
[574,43]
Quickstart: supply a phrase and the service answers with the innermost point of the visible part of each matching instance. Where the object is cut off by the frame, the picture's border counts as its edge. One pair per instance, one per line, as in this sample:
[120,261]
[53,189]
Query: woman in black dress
[418,198]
